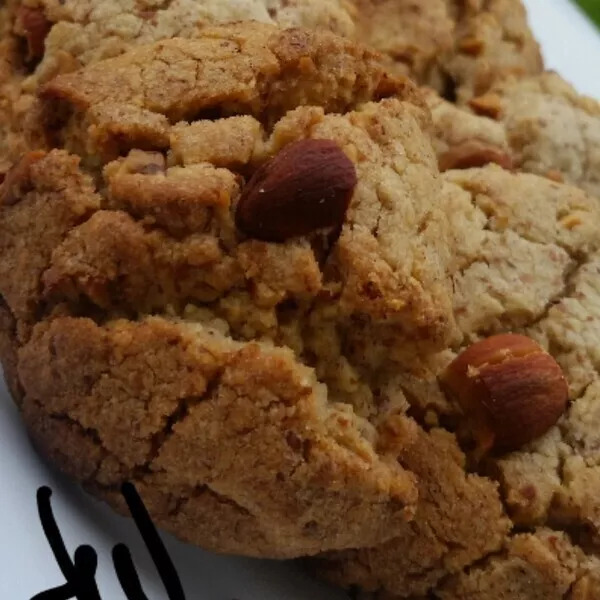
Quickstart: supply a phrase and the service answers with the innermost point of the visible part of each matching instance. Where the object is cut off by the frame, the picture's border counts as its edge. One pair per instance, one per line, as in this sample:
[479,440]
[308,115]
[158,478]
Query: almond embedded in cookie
[526,254]
[178,406]
[247,372]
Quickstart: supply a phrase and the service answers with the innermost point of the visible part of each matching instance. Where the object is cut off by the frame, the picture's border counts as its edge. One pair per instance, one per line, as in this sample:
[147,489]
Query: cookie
[232,273]
[12,73]
[491,41]
[48,37]
[410,34]
[148,323]
[533,124]
[464,140]
[552,130]
[526,252]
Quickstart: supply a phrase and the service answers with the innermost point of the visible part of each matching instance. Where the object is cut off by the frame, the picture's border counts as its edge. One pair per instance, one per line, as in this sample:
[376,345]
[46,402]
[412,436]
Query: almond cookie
[552,130]
[47,37]
[526,261]
[208,229]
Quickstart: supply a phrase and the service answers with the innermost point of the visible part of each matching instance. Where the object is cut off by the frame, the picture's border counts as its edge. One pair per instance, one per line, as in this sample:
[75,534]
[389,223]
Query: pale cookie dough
[411,34]
[463,140]
[525,249]
[551,129]
[534,124]
[492,39]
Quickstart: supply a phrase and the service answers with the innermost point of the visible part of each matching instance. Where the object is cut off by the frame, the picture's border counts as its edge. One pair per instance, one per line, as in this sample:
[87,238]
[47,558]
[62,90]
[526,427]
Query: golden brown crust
[254,69]
[100,245]
[181,407]
[49,197]
[443,539]
[283,400]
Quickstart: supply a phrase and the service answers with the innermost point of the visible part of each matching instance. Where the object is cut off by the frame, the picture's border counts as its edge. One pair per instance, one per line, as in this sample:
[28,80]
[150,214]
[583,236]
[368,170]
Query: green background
[592,7]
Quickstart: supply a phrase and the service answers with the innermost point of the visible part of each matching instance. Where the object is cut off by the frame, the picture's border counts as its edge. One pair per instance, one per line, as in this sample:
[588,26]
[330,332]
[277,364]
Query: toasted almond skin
[510,390]
[306,187]
[474,153]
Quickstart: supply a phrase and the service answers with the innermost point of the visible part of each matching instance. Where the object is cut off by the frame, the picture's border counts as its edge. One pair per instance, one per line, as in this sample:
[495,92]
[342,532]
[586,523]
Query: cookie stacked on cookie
[308,308]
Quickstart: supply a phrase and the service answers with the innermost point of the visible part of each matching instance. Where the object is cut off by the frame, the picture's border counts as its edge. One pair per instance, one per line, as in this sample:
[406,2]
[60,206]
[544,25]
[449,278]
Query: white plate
[27,566]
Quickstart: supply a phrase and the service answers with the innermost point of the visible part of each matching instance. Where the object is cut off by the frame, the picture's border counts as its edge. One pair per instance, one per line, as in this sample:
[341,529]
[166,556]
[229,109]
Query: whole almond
[305,188]
[510,390]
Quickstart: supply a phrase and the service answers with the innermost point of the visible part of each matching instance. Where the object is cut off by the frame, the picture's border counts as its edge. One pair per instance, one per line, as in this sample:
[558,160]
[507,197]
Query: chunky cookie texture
[189,412]
[44,38]
[410,34]
[66,34]
[492,40]
[443,538]
[273,379]
[458,48]
[224,373]
[552,130]
[81,32]
[259,70]
[535,566]
[463,140]
[533,124]
[526,254]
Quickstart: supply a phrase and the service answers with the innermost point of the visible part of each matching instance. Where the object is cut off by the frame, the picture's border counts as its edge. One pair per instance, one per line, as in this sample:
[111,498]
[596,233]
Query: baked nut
[510,389]
[474,153]
[16,180]
[306,187]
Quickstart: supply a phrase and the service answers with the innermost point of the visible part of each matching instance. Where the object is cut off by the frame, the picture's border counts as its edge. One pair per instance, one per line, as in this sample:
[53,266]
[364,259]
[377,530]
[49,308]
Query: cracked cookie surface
[466,46]
[526,254]
[147,330]
[282,399]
